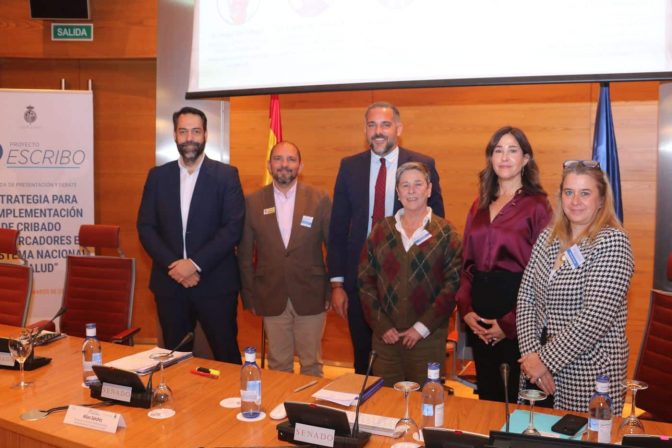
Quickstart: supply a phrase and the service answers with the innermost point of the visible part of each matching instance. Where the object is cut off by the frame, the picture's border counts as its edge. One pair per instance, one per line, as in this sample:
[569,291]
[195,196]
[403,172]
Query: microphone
[185,340]
[504,371]
[355,425]
[40,328]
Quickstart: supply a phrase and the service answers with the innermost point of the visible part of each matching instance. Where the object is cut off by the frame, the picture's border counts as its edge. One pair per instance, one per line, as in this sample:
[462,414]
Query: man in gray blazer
[281,259]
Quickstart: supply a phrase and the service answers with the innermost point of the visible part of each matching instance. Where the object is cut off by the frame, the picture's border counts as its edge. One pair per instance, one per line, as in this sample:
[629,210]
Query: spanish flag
[274,133]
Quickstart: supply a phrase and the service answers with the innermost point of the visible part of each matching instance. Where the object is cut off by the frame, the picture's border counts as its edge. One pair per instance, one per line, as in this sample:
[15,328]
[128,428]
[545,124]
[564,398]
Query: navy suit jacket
[350,211]
[214,227]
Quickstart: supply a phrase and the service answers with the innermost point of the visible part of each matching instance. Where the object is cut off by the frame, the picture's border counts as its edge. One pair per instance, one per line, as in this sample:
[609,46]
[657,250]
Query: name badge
[307,221]
[6,359]
[94,419]
[269,211]
[116,392]
[314,435]
[574,256]
[424,236]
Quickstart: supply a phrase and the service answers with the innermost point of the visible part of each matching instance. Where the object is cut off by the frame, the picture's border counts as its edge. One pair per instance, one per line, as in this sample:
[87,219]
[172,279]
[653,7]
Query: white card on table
[94,419]
[314,435]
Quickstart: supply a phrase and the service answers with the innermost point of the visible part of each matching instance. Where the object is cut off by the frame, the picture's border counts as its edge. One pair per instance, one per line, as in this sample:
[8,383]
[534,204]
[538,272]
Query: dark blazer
[350,211]
[214,227]
[298,271]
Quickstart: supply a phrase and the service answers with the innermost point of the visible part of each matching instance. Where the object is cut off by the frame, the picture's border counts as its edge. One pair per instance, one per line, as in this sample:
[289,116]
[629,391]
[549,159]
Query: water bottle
[599,410]
[250,385]
[92,355]
[432,398]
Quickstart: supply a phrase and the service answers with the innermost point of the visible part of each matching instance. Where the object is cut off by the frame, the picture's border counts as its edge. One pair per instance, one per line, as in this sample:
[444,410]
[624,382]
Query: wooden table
[200,420]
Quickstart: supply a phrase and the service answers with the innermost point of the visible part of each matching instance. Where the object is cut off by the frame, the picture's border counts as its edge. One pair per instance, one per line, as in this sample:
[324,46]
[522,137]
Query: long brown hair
[605,217]
[489,185]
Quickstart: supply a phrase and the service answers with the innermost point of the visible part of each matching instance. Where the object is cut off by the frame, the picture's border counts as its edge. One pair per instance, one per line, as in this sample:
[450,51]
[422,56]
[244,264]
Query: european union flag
[604,146]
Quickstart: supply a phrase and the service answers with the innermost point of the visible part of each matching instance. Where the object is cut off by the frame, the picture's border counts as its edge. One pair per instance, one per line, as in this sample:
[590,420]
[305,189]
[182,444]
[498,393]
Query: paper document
[374,424]
[344,390]
[142,363]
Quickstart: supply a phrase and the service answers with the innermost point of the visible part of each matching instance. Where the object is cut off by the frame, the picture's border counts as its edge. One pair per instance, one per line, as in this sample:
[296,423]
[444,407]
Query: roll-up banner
[46,182]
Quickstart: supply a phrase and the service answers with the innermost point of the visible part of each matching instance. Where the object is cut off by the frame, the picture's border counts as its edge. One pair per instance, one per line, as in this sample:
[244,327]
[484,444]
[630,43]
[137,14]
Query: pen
[305,386]
[207,375]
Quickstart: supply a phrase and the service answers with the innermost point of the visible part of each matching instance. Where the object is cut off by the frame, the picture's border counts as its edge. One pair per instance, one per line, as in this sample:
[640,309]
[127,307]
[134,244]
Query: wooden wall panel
[453,125]
[124,145]
[122,30]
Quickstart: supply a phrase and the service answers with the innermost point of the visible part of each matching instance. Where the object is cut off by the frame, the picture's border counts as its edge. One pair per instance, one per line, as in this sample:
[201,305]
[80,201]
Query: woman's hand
[535,370]
[494,334]
[391,336]
[409,338]
[474,321]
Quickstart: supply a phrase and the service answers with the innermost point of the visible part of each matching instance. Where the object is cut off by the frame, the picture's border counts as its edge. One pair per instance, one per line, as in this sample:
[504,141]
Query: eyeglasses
[569,164]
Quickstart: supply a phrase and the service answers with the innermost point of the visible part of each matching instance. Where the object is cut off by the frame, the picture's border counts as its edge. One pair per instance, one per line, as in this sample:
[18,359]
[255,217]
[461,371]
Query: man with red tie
[364,193]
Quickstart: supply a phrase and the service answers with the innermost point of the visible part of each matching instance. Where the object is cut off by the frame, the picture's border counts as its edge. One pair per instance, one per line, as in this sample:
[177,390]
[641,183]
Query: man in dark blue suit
[190,221]
[355,206]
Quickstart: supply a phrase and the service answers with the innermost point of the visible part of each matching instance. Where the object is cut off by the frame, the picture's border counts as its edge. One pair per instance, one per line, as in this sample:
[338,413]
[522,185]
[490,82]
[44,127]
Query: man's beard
[284,180]
[389,145]
[190,151]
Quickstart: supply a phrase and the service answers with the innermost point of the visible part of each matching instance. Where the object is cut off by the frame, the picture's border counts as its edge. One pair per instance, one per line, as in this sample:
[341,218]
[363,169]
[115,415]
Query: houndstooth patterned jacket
[584,310]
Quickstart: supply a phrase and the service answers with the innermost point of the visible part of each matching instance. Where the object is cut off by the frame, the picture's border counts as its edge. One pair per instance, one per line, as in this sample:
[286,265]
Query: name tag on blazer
[269,211]
[424,236]
[574,256]
[307,221]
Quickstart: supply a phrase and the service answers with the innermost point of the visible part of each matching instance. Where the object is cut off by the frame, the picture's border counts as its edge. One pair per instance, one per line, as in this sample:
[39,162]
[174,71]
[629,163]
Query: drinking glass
[20,348]
[406,428]
[162,399]
[631,424]
[532,395]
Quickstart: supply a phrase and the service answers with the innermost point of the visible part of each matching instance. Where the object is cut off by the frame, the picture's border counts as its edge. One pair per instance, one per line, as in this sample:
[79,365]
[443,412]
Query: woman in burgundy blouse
[502,225]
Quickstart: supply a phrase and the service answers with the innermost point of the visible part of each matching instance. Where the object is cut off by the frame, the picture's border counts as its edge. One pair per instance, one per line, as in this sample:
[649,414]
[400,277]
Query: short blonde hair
[605,217]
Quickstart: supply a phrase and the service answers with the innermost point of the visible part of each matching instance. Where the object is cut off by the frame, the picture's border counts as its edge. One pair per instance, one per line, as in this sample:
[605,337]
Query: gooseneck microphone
[185,340]
[355,425]
[61,311]
[504,371]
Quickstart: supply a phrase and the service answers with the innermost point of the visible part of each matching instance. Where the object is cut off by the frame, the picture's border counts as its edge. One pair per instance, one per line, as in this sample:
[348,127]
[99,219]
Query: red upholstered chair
[16,282]
[654,365]
[99,288]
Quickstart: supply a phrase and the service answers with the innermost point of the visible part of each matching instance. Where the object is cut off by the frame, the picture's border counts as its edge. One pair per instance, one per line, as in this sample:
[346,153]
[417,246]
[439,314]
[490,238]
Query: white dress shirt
[391,163]
[187,185]
[284,211]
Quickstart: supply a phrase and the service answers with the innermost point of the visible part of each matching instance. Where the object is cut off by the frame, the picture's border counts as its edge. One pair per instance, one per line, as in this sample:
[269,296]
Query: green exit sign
[71,31]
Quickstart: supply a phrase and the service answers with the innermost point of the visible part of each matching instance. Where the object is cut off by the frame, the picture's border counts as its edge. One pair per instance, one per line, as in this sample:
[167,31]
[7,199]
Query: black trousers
[488,359]
[218,318]
[360,332]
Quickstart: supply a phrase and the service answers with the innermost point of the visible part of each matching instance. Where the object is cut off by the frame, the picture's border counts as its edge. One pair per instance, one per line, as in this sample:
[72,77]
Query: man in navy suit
[190,221]
[354,208]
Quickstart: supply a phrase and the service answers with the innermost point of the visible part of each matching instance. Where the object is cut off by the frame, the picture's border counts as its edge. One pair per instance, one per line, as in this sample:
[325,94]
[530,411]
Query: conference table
[200,421]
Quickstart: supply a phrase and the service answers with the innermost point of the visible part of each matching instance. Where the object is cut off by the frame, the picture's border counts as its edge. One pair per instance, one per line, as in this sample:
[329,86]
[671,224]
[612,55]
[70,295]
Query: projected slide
[254,46]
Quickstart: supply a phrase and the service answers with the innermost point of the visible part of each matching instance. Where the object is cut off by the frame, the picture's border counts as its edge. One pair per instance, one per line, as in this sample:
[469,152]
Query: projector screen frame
[466,82]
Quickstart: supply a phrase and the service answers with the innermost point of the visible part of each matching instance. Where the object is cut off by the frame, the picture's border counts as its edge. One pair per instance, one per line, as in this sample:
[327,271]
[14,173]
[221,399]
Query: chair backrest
[16,283]
[98,288]
[654,365]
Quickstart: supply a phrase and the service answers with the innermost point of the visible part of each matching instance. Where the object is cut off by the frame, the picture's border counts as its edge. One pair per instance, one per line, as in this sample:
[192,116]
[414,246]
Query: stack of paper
[374,424]
[345,389]
[143,364]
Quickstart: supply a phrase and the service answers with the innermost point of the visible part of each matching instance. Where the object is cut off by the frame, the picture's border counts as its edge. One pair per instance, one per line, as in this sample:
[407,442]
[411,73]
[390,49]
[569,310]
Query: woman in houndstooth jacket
[572,301]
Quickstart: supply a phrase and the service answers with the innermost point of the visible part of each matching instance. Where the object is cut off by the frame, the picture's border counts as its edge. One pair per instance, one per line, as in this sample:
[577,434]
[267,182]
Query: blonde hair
[605,217]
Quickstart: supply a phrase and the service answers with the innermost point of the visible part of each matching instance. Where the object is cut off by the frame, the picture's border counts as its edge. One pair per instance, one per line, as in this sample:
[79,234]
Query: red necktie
[379,198]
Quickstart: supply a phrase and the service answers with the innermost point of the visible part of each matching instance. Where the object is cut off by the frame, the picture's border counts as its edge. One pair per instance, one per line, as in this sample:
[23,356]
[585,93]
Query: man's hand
[180,269]
[391,336]
[191,281]
[339,302]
